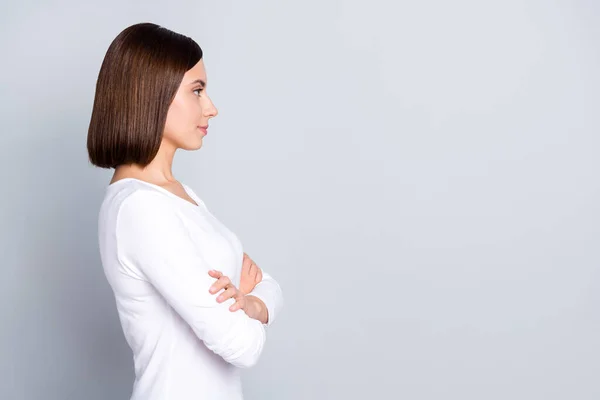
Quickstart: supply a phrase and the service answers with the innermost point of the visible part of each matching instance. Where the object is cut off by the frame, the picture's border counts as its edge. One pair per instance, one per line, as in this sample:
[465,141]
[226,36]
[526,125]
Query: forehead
[196,72]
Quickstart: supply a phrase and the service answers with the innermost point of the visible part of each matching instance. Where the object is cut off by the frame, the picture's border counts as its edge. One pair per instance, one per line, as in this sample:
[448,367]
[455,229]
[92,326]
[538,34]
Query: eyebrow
[200,81]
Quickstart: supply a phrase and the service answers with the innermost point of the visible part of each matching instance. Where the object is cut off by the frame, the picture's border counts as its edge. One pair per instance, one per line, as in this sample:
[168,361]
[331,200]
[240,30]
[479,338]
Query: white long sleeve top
[156,250]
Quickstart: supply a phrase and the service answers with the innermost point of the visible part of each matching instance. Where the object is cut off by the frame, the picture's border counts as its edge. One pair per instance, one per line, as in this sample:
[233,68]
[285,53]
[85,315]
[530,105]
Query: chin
[195,146]
[192,143]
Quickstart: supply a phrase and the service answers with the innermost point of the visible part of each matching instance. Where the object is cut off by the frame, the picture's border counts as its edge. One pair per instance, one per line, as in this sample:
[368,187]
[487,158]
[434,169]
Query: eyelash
[198,90]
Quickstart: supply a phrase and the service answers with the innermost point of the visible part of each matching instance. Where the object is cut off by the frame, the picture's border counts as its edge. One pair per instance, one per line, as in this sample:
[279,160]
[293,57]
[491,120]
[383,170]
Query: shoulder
[131,192]
[144,208]
[141,199]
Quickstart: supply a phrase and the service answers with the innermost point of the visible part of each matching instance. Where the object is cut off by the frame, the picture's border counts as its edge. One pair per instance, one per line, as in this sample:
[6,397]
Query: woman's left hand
[229,291]
[254,307]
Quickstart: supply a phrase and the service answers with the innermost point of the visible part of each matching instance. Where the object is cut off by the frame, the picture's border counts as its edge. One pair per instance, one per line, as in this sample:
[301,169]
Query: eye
[199,91]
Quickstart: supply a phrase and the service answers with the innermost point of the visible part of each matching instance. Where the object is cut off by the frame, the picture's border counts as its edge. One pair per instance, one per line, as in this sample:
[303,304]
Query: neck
[159,171]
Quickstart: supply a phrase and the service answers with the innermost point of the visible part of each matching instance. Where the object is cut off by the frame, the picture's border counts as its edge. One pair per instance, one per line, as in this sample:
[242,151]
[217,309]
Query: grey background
[421,178]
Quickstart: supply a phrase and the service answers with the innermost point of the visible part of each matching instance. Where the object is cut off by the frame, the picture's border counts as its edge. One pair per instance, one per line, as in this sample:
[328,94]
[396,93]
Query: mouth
[204,129]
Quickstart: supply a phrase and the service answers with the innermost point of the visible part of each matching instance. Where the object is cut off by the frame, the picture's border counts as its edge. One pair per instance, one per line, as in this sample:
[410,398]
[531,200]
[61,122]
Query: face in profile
[188,115]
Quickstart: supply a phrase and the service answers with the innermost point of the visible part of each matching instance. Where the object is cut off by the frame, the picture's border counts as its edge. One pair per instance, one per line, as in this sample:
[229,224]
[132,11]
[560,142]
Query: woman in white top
[193,306]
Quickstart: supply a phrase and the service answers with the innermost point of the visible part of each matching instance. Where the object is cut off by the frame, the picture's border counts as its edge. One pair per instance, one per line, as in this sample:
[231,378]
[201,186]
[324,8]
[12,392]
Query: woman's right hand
[251,275]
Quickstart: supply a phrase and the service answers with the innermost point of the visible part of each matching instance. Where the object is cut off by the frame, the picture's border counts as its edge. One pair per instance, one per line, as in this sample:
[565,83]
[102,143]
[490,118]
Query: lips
[204,129]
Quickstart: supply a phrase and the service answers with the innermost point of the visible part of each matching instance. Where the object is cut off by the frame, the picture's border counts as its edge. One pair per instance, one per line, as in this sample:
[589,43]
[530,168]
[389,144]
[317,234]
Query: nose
[210,111]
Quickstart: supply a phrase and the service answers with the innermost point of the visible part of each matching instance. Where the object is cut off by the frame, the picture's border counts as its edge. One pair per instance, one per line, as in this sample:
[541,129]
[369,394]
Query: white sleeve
[269,291]
[153,238]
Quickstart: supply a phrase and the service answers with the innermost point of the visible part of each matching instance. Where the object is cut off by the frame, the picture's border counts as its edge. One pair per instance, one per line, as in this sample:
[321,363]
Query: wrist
[256,309]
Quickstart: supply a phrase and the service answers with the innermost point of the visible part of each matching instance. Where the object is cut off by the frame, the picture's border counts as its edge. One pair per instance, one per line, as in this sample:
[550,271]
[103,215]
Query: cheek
[182,116]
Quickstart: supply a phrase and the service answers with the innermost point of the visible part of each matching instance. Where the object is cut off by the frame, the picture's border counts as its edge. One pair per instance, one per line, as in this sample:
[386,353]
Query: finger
[246,266]
[221,283]
[215,274]
[227,294]
[252,271]
[239,303]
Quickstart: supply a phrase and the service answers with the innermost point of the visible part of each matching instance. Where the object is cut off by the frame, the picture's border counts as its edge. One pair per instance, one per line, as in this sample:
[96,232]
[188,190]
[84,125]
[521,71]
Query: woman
[193,306]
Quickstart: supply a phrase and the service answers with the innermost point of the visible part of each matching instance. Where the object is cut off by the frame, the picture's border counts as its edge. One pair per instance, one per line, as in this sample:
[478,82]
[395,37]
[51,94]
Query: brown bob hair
[139,77]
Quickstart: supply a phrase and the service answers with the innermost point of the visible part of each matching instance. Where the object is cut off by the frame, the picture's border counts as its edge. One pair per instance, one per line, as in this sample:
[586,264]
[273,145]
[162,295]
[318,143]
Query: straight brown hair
[139,77]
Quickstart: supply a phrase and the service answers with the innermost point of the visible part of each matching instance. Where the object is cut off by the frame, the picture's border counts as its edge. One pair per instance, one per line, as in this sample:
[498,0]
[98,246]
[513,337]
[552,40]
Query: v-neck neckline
[165,191]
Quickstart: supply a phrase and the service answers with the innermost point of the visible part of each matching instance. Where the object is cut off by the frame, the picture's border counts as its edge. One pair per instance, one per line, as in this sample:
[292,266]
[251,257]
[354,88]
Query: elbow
[242,348]
[239,341]
[250,355]
[245,362]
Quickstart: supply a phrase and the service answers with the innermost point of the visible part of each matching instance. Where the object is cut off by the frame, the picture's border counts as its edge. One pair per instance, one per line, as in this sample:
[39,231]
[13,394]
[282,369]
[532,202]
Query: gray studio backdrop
[421,177]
